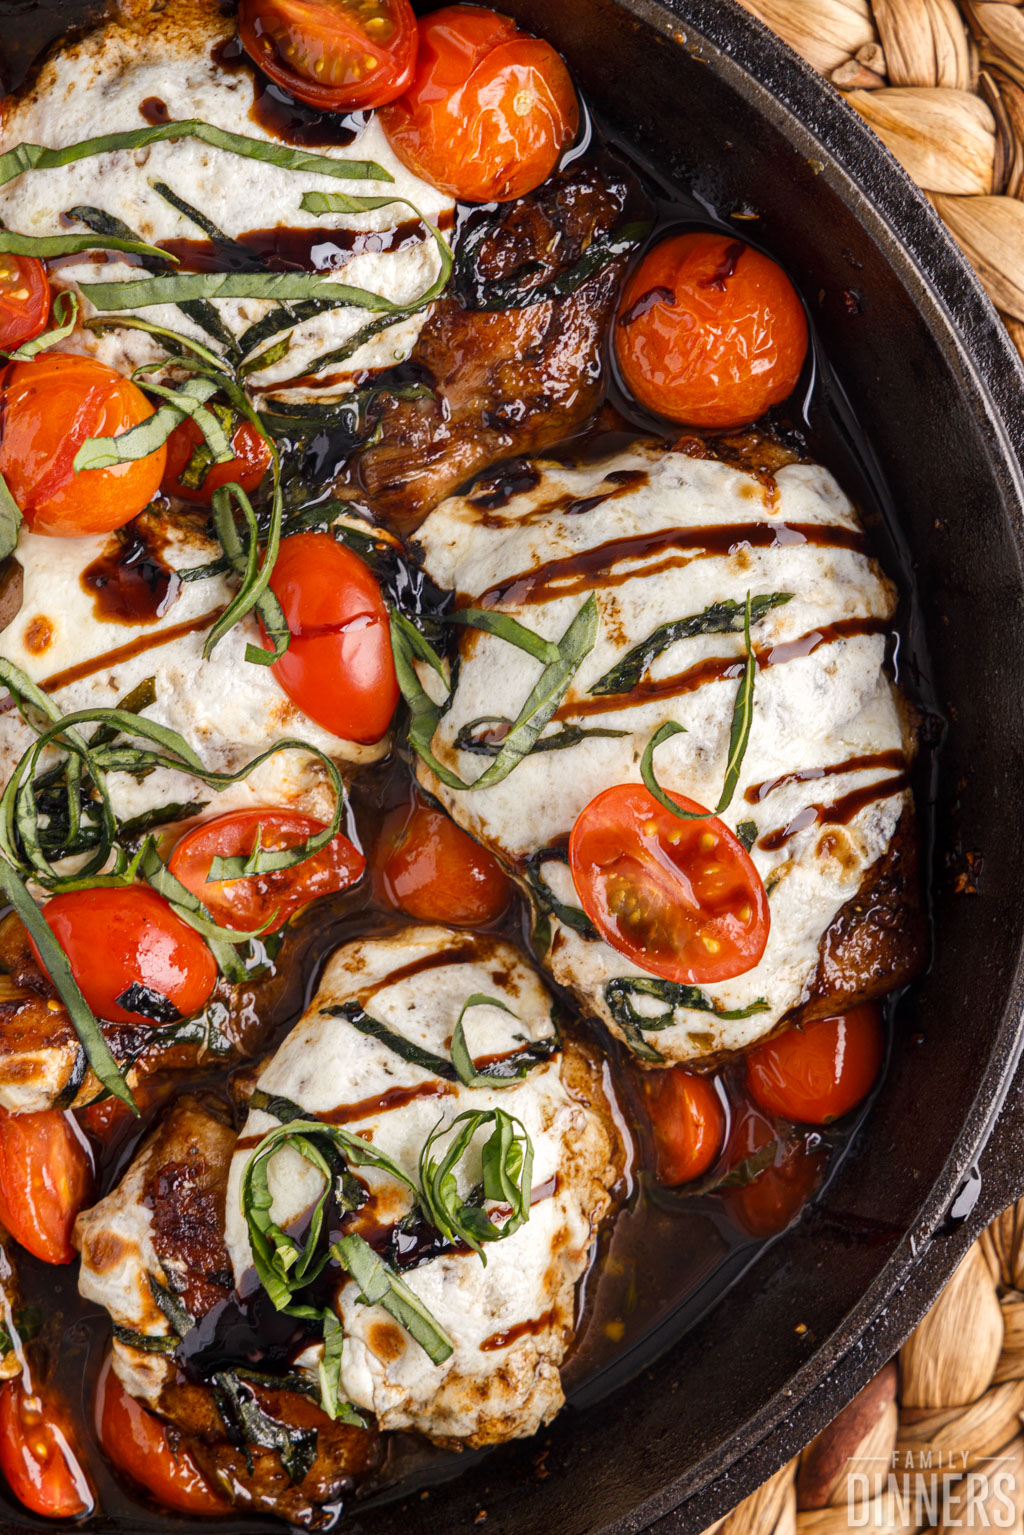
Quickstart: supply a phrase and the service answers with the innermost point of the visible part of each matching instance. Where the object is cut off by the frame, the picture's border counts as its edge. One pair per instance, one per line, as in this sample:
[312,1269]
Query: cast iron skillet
[710,97]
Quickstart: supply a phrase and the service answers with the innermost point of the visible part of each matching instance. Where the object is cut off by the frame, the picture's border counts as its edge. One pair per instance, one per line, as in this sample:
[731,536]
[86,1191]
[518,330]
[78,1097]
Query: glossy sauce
[130,582]
[281,249]
[760,791]
[839,813]
[511,1335]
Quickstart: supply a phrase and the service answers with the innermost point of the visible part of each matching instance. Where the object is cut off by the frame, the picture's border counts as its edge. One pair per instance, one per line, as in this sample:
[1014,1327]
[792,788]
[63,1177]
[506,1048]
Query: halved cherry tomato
[709,331]
[427,866]
[682,899]
[817,1071]
[24,300]
[248,903]
[774,1197]
[46,1178]
[338,668]
[38,1455]
[247,468]
[115,938]
[489,111]
[51,405]
[334,54]
[139,1445]
[688,1121]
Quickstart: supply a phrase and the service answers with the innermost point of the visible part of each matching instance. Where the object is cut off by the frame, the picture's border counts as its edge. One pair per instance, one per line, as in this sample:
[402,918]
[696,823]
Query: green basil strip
[44,247]
[406,1049]
[746,832]
[507,628]
[172,340]
[180,1321]
[507,1164]
[65,313]
[379,1285]
[30,157]
[570,916]
[726,617]
[619,993]
[463,1060]
[562,740]
[189,287]
[10,521]
[254,591]
[149,435]
[340,202]
[146,1343]
[512,292]
[739,736]
[297,1447]
[56,964]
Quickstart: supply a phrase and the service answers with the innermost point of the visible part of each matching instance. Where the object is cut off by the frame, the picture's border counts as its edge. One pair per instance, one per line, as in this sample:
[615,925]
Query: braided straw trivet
[943,87]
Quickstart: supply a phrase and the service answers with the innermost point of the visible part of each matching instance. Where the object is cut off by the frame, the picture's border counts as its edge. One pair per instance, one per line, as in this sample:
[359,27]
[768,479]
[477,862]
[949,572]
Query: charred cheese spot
[38,636]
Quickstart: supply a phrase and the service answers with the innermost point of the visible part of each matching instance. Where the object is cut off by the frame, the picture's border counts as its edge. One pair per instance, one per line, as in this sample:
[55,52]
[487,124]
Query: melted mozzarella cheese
[510,1322]
[98,86]
[822,697]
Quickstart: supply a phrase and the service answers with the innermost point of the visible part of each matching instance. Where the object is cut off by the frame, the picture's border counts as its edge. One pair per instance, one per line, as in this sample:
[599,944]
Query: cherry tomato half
[427,866]
[489,111]
[140,1447]
[338,668]
[24,300]
[682,899]
[247,468]
[38,1455]
[817,1071]
[688,1121]
[45,1180]
[115,938]
[333,54]
[248,903]
[709,331]
[774,1197]
[51,405]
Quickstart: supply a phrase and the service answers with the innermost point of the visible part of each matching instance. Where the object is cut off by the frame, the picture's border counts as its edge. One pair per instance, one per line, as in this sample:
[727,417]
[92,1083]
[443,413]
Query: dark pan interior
[936,386]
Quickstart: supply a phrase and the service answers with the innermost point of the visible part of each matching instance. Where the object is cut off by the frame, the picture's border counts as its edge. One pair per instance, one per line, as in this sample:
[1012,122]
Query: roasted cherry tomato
[333,54]
[772,1198]
[247,468]
[489,111]
[819,1070]
[681,899]
[688,1121]
[51,405]
[248,903]
[45,1180]
[709,331]
[117,938]
[38,1455]
[24,300]
[141,1448]
[427,866]
[338,668]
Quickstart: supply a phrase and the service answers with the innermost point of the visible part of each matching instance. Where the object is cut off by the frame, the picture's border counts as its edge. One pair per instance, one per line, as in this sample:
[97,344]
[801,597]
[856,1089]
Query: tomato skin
[430,868]
[688,1122]
[24,300]
[38,1455]
[46,1178]
[775,1197]
[329,57]
[338,668]
[247,468]
[818,1071]
[490,108]
[51,405]
[113,937]
[139,1446]
[247,903]
[709,332]
[680,898]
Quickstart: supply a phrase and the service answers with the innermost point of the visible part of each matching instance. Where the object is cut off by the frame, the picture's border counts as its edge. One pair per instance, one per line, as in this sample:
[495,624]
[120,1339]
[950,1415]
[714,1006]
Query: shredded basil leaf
[146,1343]
[187,287]
[725,617]
[65,313]
[44,247]
[10,521]
[379,1285]
[504,1073]
[406,1049]
[507,1166]
[152,1004]
[619,994]
[746,832]
[149,435]
[567,736]
[516,291]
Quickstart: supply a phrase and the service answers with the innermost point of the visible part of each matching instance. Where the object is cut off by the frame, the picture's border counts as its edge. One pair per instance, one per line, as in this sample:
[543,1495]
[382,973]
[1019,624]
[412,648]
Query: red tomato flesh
[682,899]
[489,111]
[247,468]
[333,54]
[24,300]
[51,405]
[820,1070]
[338,668]
[46,1178]
[139,1445]
[38,1455]
[710,332]
[113,938]
[777,1194]
[430,868]
[688,1121]
[248,903]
